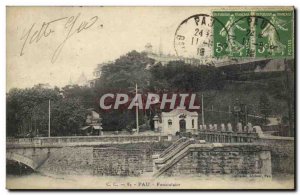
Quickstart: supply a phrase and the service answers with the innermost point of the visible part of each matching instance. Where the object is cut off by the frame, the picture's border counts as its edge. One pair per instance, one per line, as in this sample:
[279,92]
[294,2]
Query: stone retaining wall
[115,160]
[236,161]
[282,152]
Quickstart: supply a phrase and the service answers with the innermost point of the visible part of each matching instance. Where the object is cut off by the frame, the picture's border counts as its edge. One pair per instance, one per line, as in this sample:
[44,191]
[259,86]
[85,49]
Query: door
[182,125]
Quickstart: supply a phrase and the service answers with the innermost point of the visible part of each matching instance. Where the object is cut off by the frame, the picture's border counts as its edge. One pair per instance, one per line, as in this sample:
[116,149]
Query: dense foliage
[27,112]
[265,94]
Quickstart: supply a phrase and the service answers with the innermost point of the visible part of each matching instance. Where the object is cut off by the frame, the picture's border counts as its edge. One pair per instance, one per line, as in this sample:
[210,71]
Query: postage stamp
[234,38]
[254,34]
[236,34]
[274,34]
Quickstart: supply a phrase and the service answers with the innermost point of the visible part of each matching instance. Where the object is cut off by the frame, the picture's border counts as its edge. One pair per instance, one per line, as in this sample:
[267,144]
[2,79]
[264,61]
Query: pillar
[210,127]
[239,127]
[156,120]
[215,127]
[223,127]
[229,127]
[250,128]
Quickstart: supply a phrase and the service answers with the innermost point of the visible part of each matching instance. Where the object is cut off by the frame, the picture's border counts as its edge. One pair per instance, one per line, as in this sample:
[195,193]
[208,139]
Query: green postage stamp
[253,34]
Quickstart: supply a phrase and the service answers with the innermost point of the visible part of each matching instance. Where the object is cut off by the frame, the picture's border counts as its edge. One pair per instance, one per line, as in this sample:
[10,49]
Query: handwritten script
[72,25]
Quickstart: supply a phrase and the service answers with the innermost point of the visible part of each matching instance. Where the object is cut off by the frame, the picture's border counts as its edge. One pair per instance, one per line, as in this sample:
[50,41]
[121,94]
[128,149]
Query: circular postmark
[194,38]
[258,38]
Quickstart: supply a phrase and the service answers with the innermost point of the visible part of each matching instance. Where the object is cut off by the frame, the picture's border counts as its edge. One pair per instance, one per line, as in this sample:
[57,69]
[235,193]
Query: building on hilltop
[43,85]
[166,58]
[81,81]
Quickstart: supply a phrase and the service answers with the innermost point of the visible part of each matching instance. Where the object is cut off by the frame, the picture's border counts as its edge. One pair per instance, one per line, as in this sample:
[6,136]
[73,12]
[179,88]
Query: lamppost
[49,119]
[237,110]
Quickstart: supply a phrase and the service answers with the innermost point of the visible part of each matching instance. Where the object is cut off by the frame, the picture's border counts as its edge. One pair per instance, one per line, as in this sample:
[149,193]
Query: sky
[117,30]
[53,44]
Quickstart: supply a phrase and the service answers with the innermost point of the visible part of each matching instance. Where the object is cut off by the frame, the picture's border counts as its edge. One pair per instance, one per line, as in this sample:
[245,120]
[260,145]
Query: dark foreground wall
[282,152]
[113,160]
[136,159]
[236,161]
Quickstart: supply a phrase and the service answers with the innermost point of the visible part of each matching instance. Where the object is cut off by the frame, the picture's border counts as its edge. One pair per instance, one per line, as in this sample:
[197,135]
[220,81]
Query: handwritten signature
[72,25]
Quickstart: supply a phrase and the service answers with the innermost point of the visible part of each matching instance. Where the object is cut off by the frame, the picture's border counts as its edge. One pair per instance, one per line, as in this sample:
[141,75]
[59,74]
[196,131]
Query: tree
[67,116]
[86,95]
[27,112]
[121,77]
[21,107]
[177,75]
[118,120]
[125,72]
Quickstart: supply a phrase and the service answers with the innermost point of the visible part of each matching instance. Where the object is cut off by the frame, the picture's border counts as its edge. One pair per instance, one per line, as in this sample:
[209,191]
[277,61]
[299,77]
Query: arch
[22,159]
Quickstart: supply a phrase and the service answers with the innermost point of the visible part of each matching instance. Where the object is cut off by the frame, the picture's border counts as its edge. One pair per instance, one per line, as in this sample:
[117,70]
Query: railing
[192,147]
[172,147]
[82,140]
[176,150]
[223,137]
[175,158]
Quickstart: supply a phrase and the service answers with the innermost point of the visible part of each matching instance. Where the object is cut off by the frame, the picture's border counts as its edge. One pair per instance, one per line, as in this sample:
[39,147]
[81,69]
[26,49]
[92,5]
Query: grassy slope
[248,88]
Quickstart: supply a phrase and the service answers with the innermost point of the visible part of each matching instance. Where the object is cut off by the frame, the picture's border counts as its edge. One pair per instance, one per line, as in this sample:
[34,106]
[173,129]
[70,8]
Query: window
[170,122]
[193,123]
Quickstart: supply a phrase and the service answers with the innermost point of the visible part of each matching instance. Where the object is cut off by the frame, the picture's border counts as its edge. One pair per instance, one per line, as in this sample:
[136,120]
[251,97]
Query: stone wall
[282,152]
[70,161]
[136,158]
[118,162]
[239,161]
[120,159]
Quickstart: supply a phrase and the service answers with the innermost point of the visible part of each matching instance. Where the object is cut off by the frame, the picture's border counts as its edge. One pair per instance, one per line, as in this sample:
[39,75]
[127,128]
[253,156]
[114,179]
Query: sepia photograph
[150,98]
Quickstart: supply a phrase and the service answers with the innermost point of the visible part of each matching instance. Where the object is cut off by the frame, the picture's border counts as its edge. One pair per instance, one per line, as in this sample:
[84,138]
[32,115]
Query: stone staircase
[172,155]
[173,146]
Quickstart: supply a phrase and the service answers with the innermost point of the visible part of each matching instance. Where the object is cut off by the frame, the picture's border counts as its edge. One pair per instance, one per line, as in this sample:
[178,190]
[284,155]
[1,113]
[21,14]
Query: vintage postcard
[150,98]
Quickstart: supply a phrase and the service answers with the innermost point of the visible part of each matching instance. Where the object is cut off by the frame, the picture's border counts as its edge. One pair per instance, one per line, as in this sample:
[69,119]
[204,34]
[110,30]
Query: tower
[148,48]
